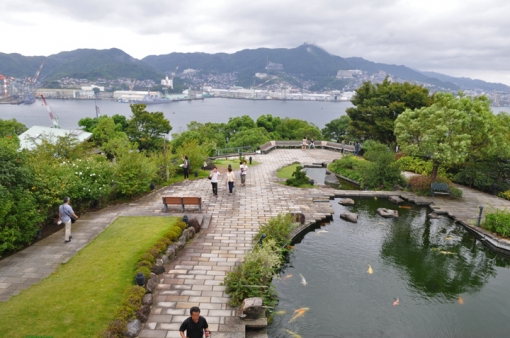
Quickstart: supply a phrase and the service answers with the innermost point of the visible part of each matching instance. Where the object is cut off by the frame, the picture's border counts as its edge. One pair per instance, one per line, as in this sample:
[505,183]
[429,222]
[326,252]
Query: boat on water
[147,99]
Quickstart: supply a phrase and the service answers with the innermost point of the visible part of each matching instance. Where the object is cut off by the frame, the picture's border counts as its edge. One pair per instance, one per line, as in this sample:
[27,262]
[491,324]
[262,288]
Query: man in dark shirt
[195,326]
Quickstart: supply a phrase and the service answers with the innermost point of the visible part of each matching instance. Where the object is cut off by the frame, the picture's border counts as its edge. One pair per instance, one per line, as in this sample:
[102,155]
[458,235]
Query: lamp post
[262,238]
[164,152]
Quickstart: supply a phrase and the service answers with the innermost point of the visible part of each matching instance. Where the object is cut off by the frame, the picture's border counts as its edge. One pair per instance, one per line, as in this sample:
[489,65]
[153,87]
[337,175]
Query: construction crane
[53,117]
[37,74]
[5,84]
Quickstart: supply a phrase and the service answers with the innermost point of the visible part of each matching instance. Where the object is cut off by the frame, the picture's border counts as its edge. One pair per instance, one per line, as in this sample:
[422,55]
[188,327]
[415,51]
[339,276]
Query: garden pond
[404,277]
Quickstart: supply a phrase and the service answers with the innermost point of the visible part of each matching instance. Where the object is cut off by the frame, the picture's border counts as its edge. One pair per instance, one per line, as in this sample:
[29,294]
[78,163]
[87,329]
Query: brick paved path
[193,278]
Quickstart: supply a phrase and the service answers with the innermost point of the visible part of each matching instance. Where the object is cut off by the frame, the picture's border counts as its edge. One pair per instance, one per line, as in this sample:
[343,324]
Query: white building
[348,74]
[261,75]
[166,82]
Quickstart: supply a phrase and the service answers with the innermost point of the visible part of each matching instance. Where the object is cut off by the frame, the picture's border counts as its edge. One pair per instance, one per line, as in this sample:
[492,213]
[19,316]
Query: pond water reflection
[447,285]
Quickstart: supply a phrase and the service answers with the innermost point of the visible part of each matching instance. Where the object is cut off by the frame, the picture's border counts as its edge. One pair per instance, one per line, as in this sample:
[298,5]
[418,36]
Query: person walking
[195,325]
[65,212]
[343,146]
[215,174]
[231,178]
[356,148]
[244,168]
[304,143]
[312,144]
[186,167]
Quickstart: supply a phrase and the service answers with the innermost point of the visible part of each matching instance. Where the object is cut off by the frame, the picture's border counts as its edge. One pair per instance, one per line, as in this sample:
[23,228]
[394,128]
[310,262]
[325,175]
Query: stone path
[194,277]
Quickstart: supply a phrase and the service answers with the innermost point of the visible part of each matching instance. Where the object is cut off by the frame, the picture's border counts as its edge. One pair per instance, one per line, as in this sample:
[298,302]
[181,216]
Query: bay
[179,113]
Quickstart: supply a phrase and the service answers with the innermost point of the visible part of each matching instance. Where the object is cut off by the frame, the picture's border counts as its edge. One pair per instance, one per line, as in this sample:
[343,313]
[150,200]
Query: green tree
[196,153]
[96,90]
[378,106]
[105,131]
[145,128]
[11,127]
[251,137]
[295,129]
[268,122]
[237,124]
[208,133]
[337,129]
[448,131]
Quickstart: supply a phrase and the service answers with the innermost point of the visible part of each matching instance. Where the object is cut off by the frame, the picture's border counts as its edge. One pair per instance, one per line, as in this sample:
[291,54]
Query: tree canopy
[378,106]
[146,128]
[337,129]
[448,131]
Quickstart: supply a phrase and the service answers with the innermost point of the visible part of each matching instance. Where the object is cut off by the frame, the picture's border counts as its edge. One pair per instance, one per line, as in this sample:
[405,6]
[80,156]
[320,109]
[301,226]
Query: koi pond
[405,277]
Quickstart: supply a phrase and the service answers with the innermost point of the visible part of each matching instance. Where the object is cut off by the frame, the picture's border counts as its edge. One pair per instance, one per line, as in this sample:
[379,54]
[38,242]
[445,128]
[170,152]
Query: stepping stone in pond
[387,213]
[395,199]
[433,215]
[349,216]
[346,201]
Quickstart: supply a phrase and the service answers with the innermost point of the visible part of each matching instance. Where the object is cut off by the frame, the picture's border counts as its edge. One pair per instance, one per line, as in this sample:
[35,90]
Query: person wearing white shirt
[215,174]
[244,168]
[230,180]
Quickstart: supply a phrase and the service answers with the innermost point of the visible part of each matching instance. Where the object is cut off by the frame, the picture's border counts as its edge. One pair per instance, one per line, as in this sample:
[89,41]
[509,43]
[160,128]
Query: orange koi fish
[395,303]
[404,207]
[299,313]
[288,276]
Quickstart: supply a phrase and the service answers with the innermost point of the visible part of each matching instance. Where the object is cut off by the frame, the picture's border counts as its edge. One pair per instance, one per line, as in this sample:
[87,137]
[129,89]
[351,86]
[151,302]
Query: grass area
[233,163]
[286,172]
[80,298]
[179,177]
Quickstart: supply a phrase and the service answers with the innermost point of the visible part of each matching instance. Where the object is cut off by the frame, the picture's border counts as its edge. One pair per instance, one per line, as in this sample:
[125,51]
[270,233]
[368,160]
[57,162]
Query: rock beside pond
[194,223]
[349,216]
[252,308]
[158,269]
[133,328]
[170,252]
[346,201]
[387,213]
[395,199]
[433,215]
[152,284]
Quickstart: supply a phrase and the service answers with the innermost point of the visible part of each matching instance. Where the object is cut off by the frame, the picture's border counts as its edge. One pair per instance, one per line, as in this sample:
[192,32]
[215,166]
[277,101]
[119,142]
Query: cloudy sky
[459,38]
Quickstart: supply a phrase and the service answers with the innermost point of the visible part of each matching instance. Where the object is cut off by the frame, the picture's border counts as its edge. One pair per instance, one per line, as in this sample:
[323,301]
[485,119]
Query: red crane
[53,117]
[37,74]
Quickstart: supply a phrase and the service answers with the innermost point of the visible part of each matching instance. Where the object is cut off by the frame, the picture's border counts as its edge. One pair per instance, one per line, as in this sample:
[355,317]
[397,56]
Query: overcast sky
[459,38]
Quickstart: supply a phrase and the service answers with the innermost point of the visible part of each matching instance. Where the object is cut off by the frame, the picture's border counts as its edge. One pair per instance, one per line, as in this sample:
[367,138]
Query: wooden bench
[181,201]
[439,188]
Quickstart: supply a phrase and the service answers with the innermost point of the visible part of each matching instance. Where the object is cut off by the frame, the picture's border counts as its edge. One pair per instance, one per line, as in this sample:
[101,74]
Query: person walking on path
[304,143]
[343,146]
[65,212]
[215,174]
[356,149]
[312,144]
[186,167]
[231,178]
[195,325]
[244,168]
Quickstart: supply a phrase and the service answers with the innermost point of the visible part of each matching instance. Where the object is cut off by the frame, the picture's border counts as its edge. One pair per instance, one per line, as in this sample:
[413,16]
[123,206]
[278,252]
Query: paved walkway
[194,277]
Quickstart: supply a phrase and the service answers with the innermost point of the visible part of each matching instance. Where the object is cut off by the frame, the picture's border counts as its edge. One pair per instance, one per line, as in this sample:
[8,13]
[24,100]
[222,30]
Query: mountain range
[306,62]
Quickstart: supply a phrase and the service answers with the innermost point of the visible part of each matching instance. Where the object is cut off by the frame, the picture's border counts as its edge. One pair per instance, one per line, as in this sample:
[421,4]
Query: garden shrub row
[132,302]
[348,166]
[498,222]
[253,277]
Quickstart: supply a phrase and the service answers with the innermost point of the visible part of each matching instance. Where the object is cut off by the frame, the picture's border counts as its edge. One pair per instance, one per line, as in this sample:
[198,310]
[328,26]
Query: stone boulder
[143,314]
[183,239]
[152,283]
[191,232]
[194,224]
[170,252]
[147,299]
[433,215]
[252,308]
[395,199]
[158,269]
[387,213]
[179,245]
[133,328]
[346,201]
[298,217]
[349,216]
[165,259]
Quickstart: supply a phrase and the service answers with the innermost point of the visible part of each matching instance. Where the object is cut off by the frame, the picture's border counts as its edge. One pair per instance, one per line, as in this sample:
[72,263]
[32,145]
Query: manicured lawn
[233,163]
[80,298]
[179,177]
[286,172]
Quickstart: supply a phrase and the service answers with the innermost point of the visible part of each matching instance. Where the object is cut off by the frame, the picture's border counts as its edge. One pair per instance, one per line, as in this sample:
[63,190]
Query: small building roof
[35,134]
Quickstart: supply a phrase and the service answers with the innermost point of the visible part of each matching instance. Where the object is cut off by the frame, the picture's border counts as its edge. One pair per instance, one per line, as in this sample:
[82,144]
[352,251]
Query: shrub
[147,257]
[133,173]
[498,222]
[299,178]
[116,328]
[145,271]
[137,291]
[419,166]
[505,195]
[174,234]
[382,171]
[154,252]
[165,241]
[181,225]
[160,246]
[456,193]
[133,301]
[421,184]
[278,229]
[349,166]
[144,264]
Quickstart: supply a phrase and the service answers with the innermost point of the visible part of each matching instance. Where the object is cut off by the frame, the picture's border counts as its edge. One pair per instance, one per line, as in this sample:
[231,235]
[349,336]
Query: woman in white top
[244,169]
[230,180]
[215,174]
